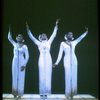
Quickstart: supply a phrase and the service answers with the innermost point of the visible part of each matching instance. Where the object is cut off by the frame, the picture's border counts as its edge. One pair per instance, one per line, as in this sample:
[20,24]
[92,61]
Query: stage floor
[49,97]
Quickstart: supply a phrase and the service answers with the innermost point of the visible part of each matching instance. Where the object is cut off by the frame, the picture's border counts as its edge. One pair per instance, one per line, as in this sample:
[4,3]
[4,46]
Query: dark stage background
[41,16]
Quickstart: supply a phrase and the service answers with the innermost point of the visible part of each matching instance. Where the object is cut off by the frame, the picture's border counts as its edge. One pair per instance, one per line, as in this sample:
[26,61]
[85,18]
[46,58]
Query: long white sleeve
[81,37]
[33,38]
[10,39]
[26,55]
[53,34]
[59,54]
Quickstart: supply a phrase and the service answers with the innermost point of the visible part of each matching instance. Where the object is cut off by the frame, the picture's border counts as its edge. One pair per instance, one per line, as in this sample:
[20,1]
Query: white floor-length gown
[44,62]
[70,64]
[20,58]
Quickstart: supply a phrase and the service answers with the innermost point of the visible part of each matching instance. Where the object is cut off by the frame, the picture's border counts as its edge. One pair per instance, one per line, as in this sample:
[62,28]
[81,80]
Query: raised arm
[37,42]
[59,54]
[10,38]
[81,37]
[54,32]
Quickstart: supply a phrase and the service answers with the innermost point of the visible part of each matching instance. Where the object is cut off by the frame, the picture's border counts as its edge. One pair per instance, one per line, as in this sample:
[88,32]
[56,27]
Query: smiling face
[69,36]
[43,37]
[19,38]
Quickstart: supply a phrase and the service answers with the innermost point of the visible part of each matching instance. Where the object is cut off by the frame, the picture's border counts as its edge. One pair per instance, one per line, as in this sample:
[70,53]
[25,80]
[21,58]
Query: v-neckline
[68,43]
[20,46]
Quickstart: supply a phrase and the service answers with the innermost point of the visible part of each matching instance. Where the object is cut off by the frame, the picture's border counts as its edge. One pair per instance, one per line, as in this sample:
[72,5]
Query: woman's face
[69,35]
[44,37]
[19,38]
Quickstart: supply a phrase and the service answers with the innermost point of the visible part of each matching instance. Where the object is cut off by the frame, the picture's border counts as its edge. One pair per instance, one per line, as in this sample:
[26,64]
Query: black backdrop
[41,16]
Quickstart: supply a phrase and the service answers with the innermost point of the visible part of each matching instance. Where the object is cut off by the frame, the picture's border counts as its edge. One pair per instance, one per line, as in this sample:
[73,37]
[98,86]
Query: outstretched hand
[57,21]
[27,26]
[86,28]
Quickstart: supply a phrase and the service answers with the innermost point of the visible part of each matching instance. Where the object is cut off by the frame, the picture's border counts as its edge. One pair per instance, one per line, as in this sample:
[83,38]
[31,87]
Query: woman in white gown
[70,62]
[19,62]
[45,60]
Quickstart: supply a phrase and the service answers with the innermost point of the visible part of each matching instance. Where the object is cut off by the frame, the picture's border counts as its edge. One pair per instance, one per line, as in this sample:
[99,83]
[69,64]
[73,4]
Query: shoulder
[25,46]
[62,43]
[15,44]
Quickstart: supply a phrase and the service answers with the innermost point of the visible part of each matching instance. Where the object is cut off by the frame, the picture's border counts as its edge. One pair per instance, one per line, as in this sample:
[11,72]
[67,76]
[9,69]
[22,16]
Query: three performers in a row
[21,57]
